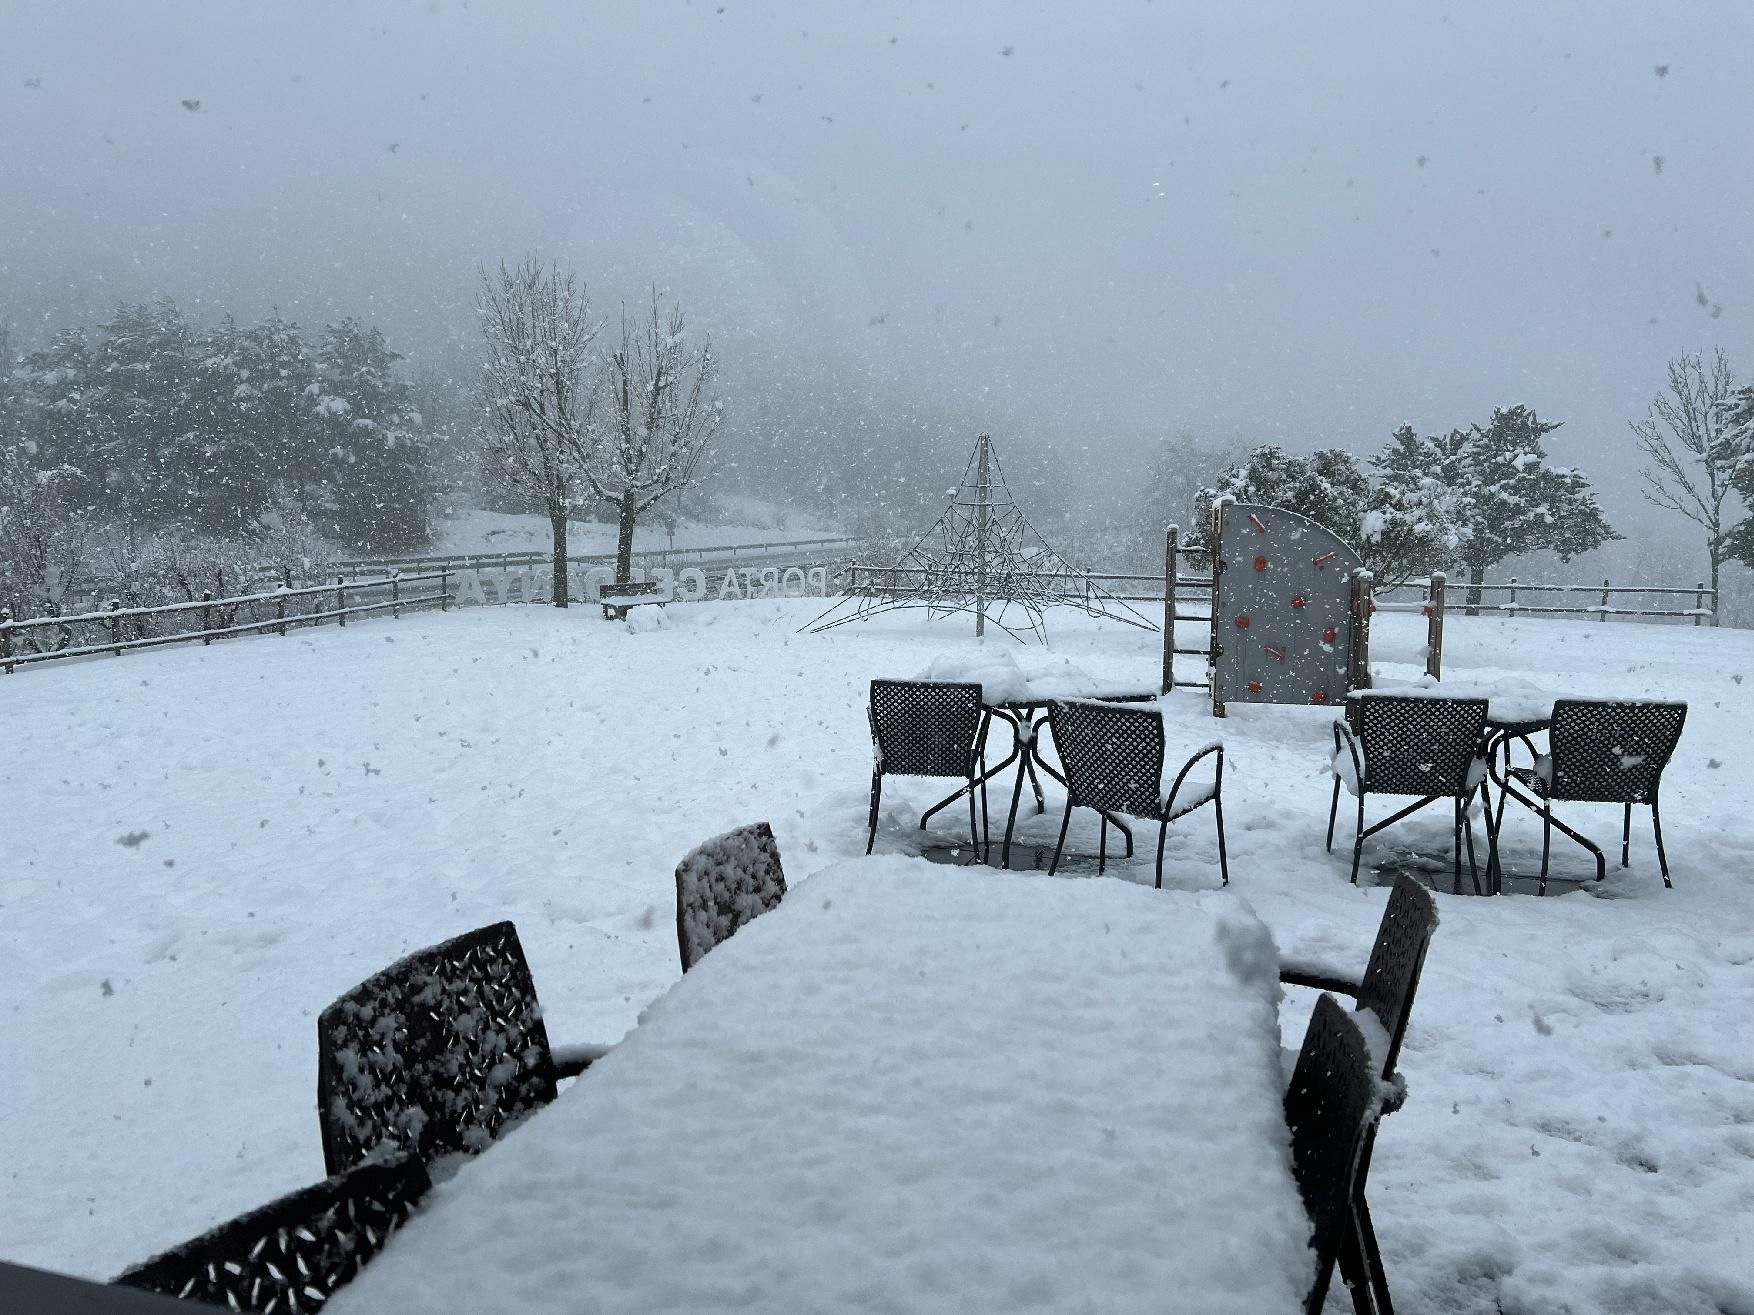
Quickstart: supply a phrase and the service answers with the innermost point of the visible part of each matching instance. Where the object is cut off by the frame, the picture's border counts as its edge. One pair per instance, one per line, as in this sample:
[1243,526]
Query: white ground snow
[206,845]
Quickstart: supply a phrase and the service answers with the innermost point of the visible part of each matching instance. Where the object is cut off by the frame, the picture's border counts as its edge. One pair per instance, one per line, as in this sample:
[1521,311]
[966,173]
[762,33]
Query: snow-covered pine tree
[1737,420]
[143,370]
[1499,491]
[1332,489]
[375,491]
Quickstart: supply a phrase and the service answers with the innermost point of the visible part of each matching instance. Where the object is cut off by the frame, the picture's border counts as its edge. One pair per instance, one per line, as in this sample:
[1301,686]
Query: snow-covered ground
[204,846]
[745,520]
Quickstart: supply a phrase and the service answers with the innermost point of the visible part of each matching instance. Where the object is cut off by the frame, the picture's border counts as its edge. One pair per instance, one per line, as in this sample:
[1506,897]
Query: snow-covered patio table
[909,1088]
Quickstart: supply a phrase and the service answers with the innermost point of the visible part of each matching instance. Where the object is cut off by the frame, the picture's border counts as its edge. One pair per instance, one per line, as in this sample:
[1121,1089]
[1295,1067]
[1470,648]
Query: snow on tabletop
[1509,698]
[909,1088]
[1037,676]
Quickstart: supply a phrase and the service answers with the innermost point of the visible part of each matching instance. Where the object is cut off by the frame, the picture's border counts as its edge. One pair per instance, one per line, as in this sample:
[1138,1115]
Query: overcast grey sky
[1297,223]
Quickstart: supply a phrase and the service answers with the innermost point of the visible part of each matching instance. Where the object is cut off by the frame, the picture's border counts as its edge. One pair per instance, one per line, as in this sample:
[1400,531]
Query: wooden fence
[118,629]
[1514,592]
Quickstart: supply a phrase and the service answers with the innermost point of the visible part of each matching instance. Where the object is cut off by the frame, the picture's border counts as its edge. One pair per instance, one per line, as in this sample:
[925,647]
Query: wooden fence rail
[119,629]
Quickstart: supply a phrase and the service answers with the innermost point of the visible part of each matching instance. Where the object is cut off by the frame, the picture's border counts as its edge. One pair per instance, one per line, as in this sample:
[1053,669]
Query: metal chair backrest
[1391,978]
[926,728]
[293,1253]
[436,1054]
[723,884]
[1419,746]
[1328,1107]
[1112,755]
[1612,753]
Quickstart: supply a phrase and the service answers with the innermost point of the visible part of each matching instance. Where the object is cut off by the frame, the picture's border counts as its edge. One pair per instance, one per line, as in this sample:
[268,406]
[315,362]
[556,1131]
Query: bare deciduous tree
[1696,453]
[539,390]
[659,420]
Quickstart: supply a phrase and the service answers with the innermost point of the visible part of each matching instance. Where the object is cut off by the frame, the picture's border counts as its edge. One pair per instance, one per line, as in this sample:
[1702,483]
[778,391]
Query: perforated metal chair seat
[294,1253]
[1428,748]
[929,728]
[438,1054]
[1604,752]
[1331,1103]
[1113,758]
[724,884]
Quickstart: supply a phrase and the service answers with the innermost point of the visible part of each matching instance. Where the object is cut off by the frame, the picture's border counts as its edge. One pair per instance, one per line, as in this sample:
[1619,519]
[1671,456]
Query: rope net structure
[981,557]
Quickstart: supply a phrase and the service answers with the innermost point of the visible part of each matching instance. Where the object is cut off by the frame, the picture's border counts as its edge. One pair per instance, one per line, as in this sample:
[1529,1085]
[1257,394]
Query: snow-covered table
[1019,697]
[909,1088]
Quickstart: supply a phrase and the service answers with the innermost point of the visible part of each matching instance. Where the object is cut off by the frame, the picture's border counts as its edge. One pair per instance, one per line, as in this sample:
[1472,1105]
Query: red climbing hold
[1324,559]
[1242,622]
[1298,600]
[1260,563]
[1254,687]
[1257,522]
[1320,696]
[1276,652]
[1328,635]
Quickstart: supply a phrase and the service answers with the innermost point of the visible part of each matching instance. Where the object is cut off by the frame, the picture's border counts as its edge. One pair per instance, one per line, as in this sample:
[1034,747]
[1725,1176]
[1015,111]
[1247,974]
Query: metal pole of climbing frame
[983,500]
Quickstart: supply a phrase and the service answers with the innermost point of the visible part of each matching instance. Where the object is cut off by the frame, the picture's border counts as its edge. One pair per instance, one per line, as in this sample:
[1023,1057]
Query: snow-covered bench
[619,599]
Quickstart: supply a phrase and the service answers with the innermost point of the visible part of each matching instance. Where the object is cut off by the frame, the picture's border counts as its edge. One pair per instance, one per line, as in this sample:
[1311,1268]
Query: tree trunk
[1476,578]
[1716,599]
[624,540]
[557,522]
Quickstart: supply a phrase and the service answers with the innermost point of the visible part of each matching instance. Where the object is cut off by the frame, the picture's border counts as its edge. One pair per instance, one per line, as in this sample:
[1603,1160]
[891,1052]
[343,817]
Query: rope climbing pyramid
[983,557]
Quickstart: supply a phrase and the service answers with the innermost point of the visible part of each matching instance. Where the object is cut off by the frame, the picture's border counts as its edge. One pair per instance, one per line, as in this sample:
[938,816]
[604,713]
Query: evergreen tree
[1332,489]
[375,491]
[1737,423]
[143,375]
[1500,494]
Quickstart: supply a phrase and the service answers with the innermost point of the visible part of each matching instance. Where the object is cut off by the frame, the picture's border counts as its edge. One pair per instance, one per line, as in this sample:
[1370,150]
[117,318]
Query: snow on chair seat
[437,1054]
[723,884]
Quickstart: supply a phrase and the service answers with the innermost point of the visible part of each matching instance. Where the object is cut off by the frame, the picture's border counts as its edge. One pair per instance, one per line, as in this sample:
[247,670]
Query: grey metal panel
[1290,580]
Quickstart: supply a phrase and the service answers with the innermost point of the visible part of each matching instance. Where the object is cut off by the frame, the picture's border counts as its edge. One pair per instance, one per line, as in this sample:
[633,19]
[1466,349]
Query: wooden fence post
[1171,543]
[116,625]
[1602,616]
[6,638]
[1513,597]
[280,609]
[341,599]
[1699,604]
[1434,625]
[396,595]
[444,591]
[206,617]
[1358,672]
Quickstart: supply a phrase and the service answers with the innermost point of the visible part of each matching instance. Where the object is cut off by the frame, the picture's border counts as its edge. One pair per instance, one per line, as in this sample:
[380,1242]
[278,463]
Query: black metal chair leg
[1546,844]
[1102,845]
[1358,844]
[1456,848]
[1473,864]
[1656,823]
[1065,822]
[1494,868]
[1162,835]
[1626,839]
[1355,1270]
[1223,858]
[974,826]
[876,796]
[1381,1302]
[1333,812]
[986,826]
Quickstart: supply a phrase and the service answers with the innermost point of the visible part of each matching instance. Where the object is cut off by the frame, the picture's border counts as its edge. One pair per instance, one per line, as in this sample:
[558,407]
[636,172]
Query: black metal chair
[1603,753]
[437,1054]
[292,1254]
[1330,1107]
[1390,981]
[723,884]
[1113,759]
[930,728]
[1408,745]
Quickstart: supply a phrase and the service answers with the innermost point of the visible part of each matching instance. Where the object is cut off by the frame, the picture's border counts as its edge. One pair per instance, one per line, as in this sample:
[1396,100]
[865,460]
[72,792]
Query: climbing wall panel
[1280,609]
